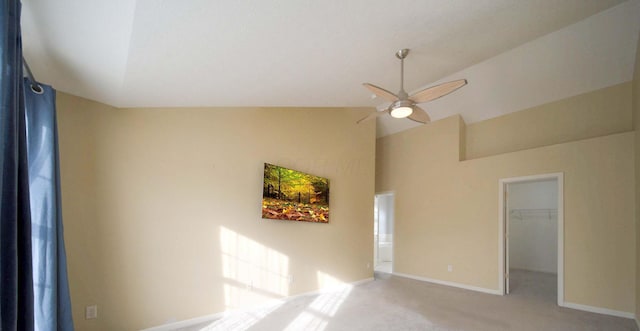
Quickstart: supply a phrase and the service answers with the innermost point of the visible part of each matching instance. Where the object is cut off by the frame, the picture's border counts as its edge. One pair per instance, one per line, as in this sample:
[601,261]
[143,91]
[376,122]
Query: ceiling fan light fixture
[401,108]
[401,112]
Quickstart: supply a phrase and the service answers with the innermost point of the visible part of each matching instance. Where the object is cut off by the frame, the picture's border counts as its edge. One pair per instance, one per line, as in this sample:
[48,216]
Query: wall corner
[462,140]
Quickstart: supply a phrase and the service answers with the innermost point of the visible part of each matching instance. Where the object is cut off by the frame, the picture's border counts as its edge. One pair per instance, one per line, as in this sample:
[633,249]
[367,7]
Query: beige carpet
[395,303]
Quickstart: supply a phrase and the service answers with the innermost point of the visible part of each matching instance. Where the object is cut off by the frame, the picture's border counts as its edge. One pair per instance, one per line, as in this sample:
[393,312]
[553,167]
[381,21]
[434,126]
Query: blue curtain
[16,290]
[34,287]
[52,305]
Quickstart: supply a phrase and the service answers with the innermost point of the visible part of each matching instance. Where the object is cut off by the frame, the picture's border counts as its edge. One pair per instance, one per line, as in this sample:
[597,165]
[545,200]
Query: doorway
[531,236]
[383,232]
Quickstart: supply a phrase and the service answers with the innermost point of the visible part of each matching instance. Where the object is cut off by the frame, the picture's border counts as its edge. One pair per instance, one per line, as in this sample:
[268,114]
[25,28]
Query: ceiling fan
[403,105]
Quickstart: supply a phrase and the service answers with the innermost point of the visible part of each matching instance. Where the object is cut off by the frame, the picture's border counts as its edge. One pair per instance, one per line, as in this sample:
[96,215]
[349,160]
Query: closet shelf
[530,213]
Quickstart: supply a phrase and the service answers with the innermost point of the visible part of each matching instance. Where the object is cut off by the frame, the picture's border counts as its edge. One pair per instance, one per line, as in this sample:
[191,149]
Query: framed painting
[294,196]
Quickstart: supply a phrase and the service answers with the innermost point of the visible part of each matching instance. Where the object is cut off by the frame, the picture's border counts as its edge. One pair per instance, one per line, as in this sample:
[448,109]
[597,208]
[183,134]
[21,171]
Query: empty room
[320,165]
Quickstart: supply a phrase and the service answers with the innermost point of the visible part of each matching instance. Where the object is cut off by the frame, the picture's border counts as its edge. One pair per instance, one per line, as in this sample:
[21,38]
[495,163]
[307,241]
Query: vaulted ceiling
[162,53]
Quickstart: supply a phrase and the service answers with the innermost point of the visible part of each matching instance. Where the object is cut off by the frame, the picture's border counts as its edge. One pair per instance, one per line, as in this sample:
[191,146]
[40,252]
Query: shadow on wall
[254,273]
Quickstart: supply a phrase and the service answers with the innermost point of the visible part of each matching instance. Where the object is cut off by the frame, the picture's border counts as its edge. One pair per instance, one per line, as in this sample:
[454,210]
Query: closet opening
[531,237]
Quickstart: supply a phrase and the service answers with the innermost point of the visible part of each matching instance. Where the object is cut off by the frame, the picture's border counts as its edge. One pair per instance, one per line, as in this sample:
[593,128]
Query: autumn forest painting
[295,196]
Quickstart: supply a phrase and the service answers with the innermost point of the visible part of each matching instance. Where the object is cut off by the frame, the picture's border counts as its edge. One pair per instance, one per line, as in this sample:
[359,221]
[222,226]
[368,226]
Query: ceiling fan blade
[419,115]
[379,91]
[434,92]
[370,116]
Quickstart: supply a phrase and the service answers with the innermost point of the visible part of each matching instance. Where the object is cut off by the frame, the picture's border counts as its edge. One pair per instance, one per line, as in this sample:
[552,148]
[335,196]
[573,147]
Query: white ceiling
[163,53]
[591,54]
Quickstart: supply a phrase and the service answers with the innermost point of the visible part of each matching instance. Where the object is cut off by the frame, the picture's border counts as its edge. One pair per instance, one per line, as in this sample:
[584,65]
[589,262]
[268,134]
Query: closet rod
[35,86]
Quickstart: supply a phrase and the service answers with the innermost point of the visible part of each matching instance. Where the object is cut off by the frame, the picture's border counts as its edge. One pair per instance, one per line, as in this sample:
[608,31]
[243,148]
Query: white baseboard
[599,310]
[213,317]
[447,283]
[186,323]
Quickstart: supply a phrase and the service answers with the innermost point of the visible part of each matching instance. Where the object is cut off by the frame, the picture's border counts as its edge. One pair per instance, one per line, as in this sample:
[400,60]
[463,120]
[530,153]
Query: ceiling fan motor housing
[401,103]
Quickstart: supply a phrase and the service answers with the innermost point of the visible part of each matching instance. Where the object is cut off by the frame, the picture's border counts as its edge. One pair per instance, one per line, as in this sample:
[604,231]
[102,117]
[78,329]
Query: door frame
[502,219]
[393,225]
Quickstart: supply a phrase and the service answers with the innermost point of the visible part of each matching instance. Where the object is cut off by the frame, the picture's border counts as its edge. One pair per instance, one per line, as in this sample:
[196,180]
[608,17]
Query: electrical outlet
[449,268]
[290,279]
[368,265]
[91,312]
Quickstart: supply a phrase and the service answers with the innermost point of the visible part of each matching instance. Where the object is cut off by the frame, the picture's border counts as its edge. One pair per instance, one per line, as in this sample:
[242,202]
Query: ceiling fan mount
[401,54]
[402,105]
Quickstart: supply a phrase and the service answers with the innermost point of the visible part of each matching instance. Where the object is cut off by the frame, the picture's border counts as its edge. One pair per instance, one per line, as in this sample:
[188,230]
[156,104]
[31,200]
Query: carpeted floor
[396,303]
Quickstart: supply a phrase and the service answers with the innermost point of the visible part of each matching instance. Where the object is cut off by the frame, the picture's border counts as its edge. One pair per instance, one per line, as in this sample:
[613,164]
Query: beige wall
[83,234]
[447,210]
[588,115]
[176,231]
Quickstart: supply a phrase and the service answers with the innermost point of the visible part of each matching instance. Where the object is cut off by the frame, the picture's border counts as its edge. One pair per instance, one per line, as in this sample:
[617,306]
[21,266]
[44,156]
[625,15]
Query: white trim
[376,231]
[447,283]
[210,318]
[560,216]
[559,177]
[637,322]
[186,323]
[501,266]
[505,240]
[599,310]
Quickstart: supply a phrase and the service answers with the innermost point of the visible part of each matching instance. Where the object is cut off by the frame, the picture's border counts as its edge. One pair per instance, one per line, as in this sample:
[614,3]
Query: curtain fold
[16,292]
[52,304]
[34,291]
